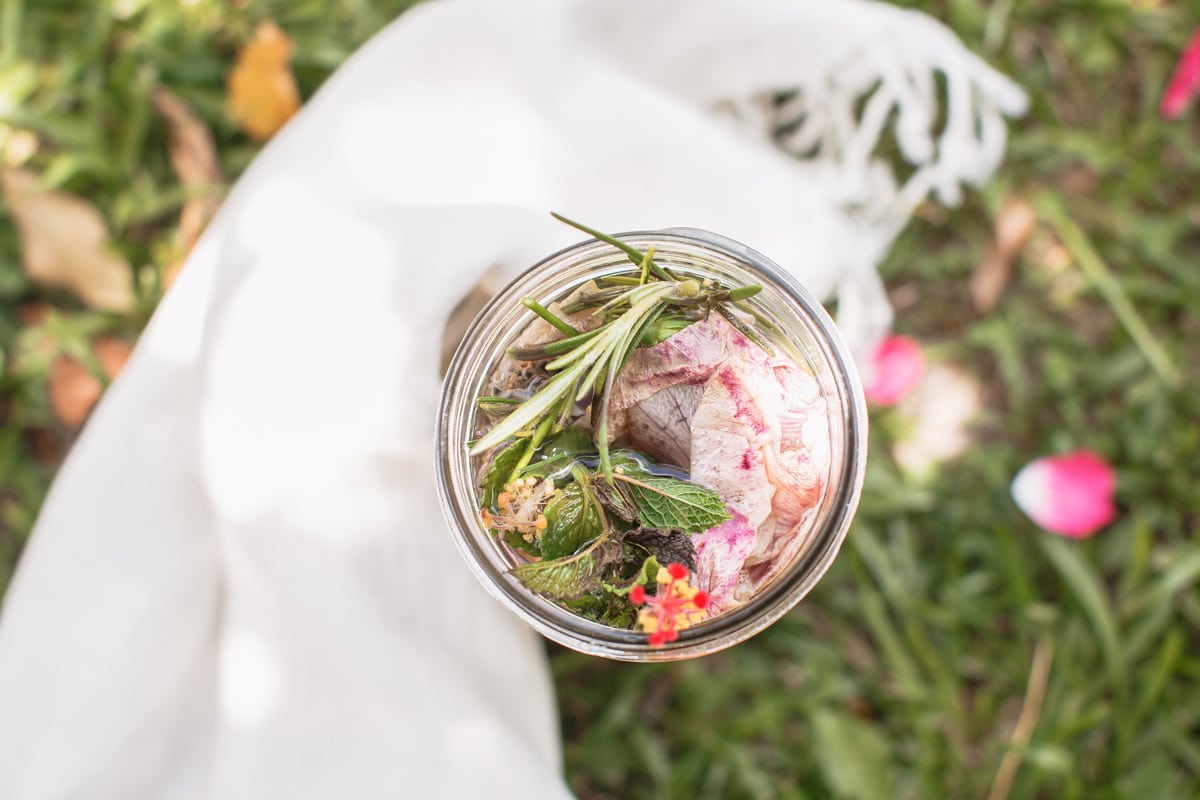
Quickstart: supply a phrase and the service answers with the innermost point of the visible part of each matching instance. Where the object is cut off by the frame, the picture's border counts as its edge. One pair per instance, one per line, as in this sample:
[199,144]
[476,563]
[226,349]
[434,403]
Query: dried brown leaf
[1014,225]
[193,154]
[194,158]
[989,280]
[262,93]
[65,243]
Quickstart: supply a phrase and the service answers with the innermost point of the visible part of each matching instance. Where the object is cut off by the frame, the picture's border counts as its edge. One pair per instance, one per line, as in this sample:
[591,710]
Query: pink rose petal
[720,553]
[896,368]
[1185,80]
[1071,494]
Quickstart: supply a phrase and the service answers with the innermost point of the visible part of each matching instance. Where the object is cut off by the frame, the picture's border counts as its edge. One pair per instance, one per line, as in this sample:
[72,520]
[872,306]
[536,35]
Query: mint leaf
[665,502]
[499,472]
[573,518]
[561,578]
[568,578]
[666,546]
[604,607]
[517,542]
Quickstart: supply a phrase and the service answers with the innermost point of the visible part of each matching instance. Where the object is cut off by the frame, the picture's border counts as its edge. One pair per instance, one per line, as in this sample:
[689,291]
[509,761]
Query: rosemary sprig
[637,310]
[563,326]
[635,255]
[580,368]
[745,329]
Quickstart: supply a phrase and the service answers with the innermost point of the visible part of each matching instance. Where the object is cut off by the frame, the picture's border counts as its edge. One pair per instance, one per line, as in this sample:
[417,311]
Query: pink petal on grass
[1071,494]
[895,369]
[1185,80]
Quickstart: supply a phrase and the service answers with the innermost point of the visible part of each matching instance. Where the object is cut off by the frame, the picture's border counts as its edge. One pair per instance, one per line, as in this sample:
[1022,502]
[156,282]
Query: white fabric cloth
[241,585]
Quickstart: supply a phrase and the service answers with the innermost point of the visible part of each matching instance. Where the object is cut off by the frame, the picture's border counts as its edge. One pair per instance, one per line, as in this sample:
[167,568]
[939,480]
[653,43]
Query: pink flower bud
[1185,80]
[896,367]
[1070,494]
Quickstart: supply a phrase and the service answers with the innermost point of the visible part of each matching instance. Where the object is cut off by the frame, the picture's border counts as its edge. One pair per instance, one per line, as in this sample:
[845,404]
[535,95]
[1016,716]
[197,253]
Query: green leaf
[547,466]
[573,518]
[1154,774]
[517,542]
[603,606]
[668,546]
[666,502]
[662,329]
[558,323]
[499,472]
[497,405]
[646,576]
[613,498]
[572,441]
[853,755]
[561,578]
[743,292]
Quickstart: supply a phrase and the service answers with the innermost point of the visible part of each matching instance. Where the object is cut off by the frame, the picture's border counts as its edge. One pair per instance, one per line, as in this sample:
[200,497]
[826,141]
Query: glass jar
[817,345]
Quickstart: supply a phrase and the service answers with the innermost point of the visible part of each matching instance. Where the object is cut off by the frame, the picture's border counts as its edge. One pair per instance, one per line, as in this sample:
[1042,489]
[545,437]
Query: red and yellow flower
[675,606]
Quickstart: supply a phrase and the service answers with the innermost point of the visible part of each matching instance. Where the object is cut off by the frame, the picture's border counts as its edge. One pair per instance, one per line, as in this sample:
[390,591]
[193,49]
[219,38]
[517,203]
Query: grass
[952,636]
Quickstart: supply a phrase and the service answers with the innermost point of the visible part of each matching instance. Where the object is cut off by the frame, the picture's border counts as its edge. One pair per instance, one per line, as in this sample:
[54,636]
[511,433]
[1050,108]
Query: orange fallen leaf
[194,158]
[262,93]
[74,390]
[65,243]
[1013,227]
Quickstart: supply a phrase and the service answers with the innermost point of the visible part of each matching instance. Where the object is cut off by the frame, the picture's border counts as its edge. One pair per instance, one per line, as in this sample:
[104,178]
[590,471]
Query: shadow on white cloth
[241,585]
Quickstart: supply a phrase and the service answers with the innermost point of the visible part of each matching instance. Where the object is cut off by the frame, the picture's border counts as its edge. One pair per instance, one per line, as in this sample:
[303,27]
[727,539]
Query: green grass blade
[1085,585]
[1110,288]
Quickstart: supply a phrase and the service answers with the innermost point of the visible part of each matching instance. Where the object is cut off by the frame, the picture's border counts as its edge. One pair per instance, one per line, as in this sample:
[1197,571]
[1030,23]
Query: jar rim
[729,627]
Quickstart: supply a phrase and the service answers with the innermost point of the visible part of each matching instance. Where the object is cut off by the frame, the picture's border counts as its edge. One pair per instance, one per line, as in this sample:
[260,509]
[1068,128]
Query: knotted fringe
[907,114]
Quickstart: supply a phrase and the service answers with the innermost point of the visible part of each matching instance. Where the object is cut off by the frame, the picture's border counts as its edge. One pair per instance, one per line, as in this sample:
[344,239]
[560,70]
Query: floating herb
[665,502]
[573,518]
[559,579]
[500,472]
[665,546]
[571,576]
